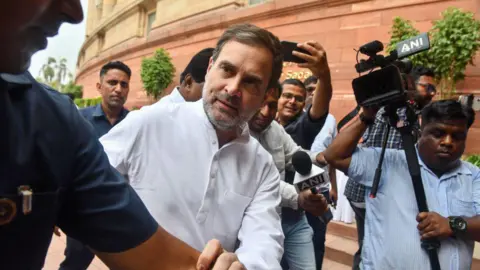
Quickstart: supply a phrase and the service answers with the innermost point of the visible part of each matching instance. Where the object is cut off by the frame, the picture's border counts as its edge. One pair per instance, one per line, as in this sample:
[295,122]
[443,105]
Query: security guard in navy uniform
[53,170]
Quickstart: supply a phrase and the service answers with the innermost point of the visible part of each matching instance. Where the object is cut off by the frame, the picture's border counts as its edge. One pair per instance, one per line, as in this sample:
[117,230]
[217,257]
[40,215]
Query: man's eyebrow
[248,76]
[253,78]
[226,63]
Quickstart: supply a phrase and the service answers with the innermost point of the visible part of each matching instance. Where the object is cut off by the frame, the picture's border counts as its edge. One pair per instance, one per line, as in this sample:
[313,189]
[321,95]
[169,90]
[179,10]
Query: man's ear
[210,64]
[99,87]
[188,81]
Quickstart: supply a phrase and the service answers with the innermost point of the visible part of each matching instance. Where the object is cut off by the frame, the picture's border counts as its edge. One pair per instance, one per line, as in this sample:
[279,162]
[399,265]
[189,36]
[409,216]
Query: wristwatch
[366,120]
[457,224]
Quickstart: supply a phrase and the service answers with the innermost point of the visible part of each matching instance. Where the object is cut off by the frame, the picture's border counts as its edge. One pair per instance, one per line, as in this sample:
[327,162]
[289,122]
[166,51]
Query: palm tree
[47,72]
[62,70]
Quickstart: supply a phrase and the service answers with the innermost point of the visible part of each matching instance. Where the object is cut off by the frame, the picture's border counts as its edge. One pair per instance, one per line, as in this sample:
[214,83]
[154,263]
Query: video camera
[388,85]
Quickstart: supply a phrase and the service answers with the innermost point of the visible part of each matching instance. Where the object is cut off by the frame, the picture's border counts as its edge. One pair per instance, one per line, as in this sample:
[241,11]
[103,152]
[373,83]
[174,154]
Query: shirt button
[212,175]
[214,142]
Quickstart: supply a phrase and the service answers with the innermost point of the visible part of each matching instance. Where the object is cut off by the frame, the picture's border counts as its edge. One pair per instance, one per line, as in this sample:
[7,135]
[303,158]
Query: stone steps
[341,245]
[332,265]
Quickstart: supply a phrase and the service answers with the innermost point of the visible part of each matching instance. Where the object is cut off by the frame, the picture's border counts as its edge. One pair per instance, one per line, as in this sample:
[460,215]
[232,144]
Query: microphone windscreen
[302,163]
[372,48]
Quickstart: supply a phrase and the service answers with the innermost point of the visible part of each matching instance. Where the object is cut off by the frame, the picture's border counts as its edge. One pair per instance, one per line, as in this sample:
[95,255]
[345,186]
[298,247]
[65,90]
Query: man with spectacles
[424,79]
[303,127]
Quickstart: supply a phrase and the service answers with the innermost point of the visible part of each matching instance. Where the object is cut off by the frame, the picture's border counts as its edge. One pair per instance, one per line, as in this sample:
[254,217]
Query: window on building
[256,2]
[150,20]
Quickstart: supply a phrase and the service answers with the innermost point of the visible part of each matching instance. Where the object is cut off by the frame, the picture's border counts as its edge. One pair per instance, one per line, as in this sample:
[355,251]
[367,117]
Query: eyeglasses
[289,96]
[429,87]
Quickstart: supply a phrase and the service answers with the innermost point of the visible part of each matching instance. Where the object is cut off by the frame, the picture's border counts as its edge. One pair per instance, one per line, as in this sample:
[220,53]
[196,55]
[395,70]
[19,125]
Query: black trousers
[319,233]
[360,219]
[77,256]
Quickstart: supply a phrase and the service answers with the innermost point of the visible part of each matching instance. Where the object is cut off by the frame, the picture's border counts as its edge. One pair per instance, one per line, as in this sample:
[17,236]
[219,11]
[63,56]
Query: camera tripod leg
[432,245]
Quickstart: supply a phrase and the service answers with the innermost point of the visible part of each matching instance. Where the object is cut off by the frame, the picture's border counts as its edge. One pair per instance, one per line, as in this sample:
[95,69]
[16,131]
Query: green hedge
[87,102]
[474,159]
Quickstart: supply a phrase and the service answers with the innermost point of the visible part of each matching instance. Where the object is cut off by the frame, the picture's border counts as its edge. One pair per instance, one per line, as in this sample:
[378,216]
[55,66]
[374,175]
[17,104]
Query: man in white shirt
[191,79]
[299,252]
[194,164]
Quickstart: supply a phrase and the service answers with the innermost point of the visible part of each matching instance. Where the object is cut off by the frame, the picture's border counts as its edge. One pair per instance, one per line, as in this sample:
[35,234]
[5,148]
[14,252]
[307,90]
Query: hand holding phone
[309,55]
[288,48]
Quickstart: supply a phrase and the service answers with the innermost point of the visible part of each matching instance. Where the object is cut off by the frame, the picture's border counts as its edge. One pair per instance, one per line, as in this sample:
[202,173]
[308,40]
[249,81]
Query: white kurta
[196,191]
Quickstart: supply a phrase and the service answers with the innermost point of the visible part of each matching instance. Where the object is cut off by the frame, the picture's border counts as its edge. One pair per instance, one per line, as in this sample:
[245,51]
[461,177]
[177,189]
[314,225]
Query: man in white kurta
[195,165]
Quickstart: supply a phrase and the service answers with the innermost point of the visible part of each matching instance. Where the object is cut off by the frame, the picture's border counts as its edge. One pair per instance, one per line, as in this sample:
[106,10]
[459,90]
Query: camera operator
[424,79]
[452,187]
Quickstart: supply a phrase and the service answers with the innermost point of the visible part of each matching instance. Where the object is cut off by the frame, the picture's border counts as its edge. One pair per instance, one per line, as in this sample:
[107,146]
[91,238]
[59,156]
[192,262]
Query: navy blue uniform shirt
[47,145]
[98,119]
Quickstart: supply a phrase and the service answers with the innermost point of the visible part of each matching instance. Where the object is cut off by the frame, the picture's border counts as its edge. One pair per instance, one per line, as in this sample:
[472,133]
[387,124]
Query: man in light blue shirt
[393,227]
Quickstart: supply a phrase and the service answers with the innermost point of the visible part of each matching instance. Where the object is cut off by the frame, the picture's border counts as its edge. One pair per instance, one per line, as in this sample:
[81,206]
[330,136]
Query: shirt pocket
[462,207]
[229,217]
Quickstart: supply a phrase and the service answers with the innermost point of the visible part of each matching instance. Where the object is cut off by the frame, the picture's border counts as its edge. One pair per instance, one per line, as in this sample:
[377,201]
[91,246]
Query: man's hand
[433,225]
[333,196]
[56,231]
[315,204]
[321,159]
[317,61]
[214,255]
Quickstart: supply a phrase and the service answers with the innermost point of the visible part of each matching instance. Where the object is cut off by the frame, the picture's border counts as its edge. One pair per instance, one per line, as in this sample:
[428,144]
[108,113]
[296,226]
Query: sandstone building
[129,30]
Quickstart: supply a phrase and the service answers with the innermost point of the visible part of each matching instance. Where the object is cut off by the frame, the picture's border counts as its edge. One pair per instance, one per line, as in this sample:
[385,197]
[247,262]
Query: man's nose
[447,141]
[72,10]
[233,88]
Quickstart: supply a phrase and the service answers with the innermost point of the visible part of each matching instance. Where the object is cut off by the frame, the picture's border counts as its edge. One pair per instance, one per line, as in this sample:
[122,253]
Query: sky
[66,44]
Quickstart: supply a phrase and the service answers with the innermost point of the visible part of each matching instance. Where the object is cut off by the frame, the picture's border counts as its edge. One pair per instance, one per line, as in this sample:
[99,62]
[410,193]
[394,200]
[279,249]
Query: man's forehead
[272,95]
[452,125]
[293,88]
[427,79]
[256,59]
[116,73]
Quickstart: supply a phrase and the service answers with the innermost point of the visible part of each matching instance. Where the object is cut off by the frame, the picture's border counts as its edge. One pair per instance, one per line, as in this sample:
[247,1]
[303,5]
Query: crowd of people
[203,178]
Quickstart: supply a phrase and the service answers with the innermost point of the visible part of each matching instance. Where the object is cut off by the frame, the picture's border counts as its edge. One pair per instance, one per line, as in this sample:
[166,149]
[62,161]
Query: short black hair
[295,82]
[419,71]
[310,80]
[115,65]
[447,109]
[198,65]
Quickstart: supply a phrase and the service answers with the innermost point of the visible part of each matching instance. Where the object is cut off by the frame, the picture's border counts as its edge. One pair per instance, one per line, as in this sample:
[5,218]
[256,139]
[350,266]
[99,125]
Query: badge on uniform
[8,210]
[26,193]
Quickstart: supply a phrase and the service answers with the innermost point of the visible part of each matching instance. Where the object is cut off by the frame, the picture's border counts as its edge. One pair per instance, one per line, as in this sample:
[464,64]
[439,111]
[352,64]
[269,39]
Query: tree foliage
[454,40]
[157,73]
[402,30]
[55,72]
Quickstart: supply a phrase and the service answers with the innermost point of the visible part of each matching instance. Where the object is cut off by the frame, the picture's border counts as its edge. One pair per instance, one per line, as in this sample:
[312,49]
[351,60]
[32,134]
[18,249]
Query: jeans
[319,231]
[298,247]
[360,219]
[77,256]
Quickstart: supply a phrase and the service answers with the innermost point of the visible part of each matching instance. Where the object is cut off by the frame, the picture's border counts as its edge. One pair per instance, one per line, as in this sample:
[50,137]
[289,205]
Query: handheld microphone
[307,175]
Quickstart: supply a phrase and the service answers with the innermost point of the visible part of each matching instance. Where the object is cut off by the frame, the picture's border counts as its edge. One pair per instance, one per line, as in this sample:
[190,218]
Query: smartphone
[288,48]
